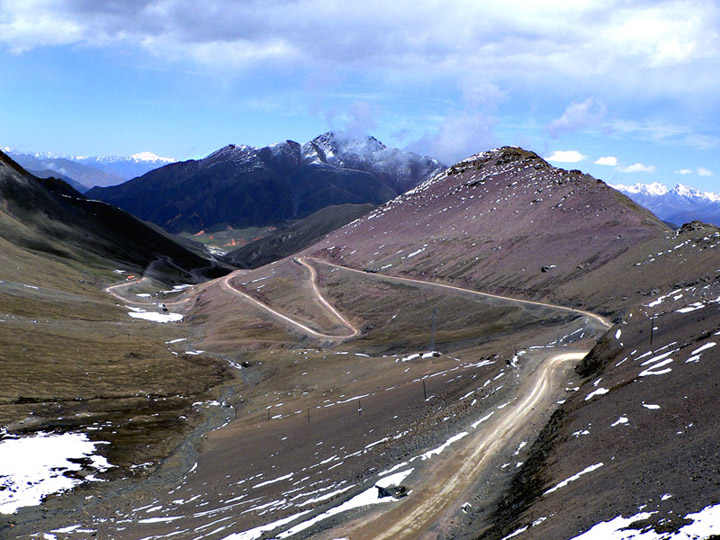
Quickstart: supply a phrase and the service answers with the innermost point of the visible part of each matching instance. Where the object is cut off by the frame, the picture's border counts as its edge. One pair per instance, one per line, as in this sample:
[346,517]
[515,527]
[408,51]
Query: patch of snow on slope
[366,498]
[705,524]
[574,477]
[691,307]
[34,467]
[441,448]
[153,316]
[598,392]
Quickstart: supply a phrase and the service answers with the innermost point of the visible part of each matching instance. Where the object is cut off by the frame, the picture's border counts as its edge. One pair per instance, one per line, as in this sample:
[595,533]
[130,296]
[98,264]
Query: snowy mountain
[402,169]
[126,167]
[679,205]
[243,186]
[90,171]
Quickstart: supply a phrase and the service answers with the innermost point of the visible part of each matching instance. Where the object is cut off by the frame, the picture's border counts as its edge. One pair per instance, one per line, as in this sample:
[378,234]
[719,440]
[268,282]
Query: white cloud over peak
[606,160]
[637,167]
[702,171]
[566,156]
[460,135]
[578,116]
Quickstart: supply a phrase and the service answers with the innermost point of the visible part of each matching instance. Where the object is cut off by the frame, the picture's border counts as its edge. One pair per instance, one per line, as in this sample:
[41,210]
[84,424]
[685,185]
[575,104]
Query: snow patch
[598,392]
[574,477]
[34,467]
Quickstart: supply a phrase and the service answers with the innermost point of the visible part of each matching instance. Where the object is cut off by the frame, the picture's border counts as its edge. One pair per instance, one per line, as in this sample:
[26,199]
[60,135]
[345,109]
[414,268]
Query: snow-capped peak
[333,143]
[149,156]
[656,189]
[692,193]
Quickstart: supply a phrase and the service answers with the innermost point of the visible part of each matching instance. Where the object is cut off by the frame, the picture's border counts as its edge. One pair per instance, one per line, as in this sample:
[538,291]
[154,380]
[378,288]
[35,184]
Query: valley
[359,388]
[495,371]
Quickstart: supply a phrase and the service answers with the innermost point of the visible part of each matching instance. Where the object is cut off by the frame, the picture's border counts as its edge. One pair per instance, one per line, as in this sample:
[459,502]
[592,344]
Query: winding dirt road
[440,487]
[602,320]
[444,486]
[353,331]
[112,288]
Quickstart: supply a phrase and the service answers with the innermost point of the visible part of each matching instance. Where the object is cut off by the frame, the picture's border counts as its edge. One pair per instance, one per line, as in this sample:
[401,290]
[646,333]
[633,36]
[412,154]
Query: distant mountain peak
[654,189]
[149,156]
[678,205]
[246,186]
[338,142]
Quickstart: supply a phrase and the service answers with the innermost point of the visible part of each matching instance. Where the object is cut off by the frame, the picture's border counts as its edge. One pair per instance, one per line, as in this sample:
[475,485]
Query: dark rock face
[242,186]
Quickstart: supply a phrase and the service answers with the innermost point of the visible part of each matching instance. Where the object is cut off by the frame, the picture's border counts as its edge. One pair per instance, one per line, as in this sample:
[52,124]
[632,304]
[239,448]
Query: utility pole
[432,329]
[652,328]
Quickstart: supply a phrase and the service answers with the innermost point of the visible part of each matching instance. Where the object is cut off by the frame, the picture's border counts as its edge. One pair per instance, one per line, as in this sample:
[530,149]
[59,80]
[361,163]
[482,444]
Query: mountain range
[430,347]
[679,205]
[85,172]
[242,186]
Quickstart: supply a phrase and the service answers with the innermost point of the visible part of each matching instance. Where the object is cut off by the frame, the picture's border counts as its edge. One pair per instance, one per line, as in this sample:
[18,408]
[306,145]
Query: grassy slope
[69,355]
[297,236]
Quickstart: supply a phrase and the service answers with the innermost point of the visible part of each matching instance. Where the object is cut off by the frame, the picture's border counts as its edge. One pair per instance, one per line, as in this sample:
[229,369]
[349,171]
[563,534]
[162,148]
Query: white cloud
[460,135]
[499,38]
[578,116]
[684,171]
[566,156]
[702,171]
[663,131]
[637,167]
[606,160]
[462,53]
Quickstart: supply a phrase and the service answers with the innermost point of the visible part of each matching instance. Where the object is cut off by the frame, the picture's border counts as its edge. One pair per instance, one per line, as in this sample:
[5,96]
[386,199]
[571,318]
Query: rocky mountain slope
[634,441]
[242,186]
[679,205]
[504,221]
[76,363]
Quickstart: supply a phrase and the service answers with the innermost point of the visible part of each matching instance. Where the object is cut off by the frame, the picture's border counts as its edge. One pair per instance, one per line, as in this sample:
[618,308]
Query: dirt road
[441,489]
[313,278]
[112,288]
[292,322]
[602,320]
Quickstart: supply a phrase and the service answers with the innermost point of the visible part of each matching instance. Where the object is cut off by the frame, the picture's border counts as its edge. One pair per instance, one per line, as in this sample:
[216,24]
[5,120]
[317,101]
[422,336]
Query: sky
[628,91]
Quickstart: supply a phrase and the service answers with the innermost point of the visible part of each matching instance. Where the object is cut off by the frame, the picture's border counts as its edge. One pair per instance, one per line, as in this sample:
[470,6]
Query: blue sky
[628,91]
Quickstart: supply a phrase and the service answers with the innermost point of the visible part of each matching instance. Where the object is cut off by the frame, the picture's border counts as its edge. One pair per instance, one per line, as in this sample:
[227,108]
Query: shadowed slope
[54,218]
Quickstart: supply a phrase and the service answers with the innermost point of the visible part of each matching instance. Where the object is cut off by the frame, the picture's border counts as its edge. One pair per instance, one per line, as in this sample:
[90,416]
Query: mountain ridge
[678,205]
[537,213]
[58,219]
[91,171]
[241,186]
